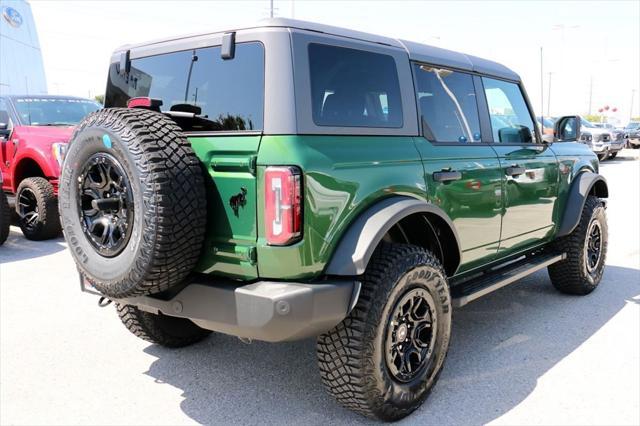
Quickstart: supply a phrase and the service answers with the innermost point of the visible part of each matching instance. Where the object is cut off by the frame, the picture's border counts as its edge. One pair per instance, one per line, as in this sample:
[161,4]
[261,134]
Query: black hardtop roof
[416,51]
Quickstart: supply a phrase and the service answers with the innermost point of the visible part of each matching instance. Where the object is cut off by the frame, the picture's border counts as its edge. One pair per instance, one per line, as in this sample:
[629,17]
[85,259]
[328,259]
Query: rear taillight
[283,205]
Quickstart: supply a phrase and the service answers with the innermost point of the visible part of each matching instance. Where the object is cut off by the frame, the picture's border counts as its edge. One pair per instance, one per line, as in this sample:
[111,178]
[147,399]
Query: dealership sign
[12,16]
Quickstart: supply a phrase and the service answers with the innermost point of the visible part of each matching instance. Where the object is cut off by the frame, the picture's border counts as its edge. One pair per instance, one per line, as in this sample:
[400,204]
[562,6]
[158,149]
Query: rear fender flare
[365,233]
[581,187]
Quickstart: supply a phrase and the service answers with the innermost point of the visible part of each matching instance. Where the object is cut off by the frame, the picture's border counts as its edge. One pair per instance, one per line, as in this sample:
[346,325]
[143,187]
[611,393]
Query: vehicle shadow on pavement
[501,345]
[17,247]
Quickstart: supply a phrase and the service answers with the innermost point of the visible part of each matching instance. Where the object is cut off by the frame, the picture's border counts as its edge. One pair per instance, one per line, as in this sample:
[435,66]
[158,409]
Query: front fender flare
[363,236]
[580,190]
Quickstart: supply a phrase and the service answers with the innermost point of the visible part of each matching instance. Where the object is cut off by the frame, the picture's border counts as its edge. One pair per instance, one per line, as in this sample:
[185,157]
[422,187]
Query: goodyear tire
[586,249]
[132,202]
[5,217]
[383,359]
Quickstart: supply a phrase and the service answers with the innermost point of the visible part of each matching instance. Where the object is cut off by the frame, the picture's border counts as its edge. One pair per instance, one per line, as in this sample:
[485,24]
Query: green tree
[99,99]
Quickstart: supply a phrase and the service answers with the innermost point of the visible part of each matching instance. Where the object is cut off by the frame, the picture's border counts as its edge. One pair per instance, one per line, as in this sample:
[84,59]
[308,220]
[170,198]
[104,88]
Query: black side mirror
[567,129]
[4,129]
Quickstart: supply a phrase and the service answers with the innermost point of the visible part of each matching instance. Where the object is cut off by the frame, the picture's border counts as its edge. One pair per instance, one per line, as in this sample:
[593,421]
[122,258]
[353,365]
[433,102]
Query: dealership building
[21,66]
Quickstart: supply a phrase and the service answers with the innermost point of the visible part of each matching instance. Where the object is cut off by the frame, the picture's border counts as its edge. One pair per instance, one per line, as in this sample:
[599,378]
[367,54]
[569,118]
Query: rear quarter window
[353,88]
[227,95]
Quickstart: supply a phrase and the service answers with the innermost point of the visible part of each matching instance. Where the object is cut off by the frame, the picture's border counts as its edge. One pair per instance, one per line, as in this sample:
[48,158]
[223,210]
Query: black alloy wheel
[593,246]
[27,209]
[106,204]
[410,335]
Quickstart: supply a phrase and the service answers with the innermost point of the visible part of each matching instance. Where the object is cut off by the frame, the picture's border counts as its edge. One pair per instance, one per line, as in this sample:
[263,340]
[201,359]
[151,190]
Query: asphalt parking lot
[523,355]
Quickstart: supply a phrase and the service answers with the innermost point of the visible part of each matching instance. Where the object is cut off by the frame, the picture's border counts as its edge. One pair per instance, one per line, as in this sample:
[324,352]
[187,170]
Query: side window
[447,102]
[4,112]
[511,121]
[225,95]
[353,88]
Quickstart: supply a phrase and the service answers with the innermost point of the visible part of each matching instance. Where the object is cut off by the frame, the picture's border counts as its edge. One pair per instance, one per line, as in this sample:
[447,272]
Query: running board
[490,281]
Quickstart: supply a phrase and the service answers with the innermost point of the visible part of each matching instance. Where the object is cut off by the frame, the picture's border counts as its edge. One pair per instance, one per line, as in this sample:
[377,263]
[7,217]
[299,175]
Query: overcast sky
[583,42]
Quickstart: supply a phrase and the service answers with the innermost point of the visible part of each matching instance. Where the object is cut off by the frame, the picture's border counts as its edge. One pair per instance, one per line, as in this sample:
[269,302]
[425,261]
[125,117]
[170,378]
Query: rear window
[225,95]
[353,88]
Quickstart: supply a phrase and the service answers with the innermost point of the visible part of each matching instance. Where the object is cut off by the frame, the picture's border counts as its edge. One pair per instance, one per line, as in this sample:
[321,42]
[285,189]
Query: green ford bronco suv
[292,180]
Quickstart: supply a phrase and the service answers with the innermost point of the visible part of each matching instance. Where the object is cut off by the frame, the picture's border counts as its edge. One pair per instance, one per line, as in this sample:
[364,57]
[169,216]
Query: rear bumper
[264,310]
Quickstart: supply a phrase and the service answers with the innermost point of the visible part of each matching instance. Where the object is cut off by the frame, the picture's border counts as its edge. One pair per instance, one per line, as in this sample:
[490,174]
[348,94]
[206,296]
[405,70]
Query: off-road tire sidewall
[164,330]
[166,183]
[593,278]
[571,275]
[351,356]
[86,144]
[412,393]
[48,225]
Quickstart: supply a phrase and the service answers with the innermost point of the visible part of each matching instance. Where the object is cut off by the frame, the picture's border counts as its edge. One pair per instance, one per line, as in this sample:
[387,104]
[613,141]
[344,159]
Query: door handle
[515,170]
[446,176]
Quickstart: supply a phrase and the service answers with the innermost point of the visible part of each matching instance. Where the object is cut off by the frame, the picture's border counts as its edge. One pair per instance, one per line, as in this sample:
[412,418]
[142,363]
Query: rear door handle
[446,176]
[515,170]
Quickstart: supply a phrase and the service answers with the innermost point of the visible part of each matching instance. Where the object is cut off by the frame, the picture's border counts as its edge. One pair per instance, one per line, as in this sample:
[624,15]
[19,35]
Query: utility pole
[549,96]
[541,91]
[590,92]
[271,9]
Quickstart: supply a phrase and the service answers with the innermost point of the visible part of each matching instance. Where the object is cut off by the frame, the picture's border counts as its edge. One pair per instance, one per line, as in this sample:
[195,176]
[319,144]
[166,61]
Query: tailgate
[230,244]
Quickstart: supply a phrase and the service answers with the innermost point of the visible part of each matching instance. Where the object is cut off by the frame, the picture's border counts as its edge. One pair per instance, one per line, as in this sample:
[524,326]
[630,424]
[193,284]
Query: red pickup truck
[34,131]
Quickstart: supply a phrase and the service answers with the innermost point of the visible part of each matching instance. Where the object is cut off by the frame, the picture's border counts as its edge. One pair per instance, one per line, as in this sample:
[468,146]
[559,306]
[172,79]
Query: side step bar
[490,281]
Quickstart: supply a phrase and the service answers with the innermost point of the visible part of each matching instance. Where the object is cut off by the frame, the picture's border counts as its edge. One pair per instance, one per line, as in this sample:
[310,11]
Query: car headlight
[59,149]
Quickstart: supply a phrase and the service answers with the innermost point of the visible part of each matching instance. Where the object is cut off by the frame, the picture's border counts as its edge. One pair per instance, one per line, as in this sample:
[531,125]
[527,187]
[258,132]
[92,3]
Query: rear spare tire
[132,202]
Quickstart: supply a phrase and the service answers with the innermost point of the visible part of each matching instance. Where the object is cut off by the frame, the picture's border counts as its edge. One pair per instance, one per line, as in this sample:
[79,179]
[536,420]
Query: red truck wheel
[37,209]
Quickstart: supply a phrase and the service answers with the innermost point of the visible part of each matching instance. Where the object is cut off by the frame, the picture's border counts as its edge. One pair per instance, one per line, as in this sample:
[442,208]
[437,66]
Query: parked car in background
[633,134]
[546,127]
[618,141]
[34,131]
[599,140]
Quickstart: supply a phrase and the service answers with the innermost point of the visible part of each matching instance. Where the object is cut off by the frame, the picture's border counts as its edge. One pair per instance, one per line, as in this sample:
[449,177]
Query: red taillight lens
[283,205]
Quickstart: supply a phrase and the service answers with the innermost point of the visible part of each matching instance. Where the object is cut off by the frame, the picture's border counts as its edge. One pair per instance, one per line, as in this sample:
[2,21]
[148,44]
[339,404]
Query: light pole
[549,96]
[541,91]
[590,92]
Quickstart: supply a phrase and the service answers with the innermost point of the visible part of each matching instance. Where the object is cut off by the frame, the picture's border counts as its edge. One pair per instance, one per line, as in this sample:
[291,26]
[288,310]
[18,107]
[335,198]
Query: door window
[511,120]
[447,103]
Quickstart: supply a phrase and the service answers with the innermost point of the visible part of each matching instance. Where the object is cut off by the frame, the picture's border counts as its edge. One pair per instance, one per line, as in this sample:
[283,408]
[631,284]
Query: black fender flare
[365,233]
[580,189]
